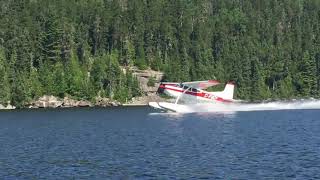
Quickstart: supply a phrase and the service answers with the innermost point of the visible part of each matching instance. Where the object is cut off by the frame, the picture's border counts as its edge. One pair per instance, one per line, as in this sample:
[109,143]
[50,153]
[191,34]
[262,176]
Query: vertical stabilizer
[228,91]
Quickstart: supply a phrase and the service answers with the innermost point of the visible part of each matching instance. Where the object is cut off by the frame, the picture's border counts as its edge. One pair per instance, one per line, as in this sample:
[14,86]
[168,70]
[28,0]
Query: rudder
[228,91]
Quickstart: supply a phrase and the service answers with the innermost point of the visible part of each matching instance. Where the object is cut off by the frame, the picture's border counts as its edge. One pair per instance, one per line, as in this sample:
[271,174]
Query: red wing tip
[213,81]
[231,82]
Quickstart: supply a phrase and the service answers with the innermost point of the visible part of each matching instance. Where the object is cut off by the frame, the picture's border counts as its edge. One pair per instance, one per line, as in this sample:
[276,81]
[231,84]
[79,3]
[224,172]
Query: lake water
[140,143]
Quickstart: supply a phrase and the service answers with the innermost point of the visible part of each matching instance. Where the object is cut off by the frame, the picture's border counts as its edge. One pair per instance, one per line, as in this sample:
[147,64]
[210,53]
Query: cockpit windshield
[185,87]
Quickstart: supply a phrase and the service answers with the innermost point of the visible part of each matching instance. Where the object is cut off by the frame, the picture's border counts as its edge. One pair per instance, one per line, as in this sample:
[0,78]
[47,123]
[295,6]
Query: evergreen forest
[80,48]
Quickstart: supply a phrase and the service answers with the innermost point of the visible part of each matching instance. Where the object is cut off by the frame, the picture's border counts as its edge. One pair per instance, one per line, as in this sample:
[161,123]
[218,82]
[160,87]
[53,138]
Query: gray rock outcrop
[143,77]
[47,102]
[54,102]
[83,103]
[104,102]
[150,95]
[68,102]
[9,106]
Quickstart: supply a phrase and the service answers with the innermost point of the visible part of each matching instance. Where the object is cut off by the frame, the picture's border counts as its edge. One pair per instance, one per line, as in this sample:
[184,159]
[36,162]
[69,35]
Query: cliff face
[144,76]
[149,89]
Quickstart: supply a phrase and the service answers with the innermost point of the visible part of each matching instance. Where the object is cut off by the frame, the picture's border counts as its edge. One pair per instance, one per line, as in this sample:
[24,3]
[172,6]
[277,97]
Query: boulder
[33,107]
[68,102]
[9,106]
[114,103]
[84,104]
[47,102]
[104,102]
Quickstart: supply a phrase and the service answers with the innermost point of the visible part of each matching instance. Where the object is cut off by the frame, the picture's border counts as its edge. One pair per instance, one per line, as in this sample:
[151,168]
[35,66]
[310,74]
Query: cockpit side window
[194,90]
[185,87]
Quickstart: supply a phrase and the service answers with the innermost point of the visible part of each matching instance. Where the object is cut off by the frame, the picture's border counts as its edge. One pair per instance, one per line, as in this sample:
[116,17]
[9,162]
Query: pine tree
[307,75]
[99,74]
[188,40]
[75,76]
[60,80]
[129,53]
[36,89]
[47,78]
[5,94]
[51,38]
[20,91]
[285,88]
[259,90]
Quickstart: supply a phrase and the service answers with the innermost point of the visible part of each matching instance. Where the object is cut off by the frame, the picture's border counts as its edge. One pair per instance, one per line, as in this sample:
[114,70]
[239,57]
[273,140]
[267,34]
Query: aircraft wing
[201,84]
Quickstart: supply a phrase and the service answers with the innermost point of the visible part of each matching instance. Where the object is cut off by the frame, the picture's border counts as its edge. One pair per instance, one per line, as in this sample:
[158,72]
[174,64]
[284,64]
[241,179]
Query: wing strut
[181,95]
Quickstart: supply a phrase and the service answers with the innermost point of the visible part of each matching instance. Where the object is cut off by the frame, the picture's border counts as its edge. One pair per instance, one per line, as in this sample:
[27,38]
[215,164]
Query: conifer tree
[36,89]
[79,47]
[75,76]
[307,75]
[5,94]
[60,79]
[259,90]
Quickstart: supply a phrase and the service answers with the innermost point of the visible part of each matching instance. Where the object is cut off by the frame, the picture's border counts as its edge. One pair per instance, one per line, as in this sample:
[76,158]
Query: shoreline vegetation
[143,76]
[84,50]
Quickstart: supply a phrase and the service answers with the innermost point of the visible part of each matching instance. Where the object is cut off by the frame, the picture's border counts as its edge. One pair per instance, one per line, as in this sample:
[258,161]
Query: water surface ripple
[136,143]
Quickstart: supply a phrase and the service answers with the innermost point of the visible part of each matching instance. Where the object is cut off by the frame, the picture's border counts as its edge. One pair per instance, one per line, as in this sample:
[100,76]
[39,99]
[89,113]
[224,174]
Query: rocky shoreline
[67,102]
[55,102]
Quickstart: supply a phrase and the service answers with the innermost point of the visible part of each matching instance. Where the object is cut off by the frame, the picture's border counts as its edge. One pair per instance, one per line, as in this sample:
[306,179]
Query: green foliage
[36,89]
[75,77]
[129,53]
[20,91]
[259,90]
[59,80]
[47,78]
[285,89]
[151,81]
[81,48]
[307,75]
[5,94]
[99,74]
[141,64]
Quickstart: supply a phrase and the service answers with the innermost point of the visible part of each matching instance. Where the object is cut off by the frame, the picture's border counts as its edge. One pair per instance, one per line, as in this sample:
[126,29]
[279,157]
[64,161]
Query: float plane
[193,92]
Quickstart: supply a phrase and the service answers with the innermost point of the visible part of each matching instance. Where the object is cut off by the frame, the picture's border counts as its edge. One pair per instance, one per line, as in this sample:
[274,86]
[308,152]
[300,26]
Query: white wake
[264,106]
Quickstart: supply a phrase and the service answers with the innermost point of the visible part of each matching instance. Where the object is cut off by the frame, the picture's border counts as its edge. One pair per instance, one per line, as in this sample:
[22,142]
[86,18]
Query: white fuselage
[193,95]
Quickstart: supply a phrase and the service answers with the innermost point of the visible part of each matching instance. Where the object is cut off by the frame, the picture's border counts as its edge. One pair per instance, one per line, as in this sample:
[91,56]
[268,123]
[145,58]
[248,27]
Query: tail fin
[228,91]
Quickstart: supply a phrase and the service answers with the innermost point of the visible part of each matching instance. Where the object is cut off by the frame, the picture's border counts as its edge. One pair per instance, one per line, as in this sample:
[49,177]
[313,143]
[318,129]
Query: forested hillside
[270,48]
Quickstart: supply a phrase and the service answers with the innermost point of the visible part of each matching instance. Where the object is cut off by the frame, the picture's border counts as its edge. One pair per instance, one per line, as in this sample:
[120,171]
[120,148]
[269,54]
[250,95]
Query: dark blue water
[131,143]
